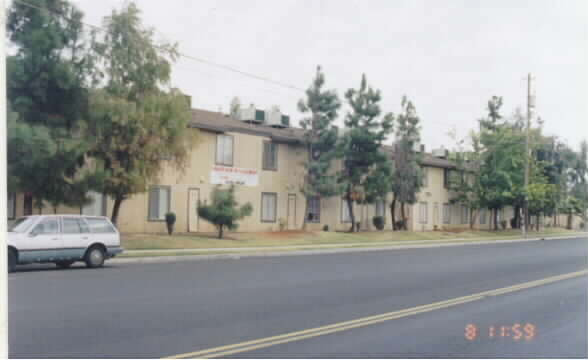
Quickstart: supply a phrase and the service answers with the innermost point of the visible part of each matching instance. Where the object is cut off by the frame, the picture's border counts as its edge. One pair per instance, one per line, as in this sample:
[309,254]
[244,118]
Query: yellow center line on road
[366,321]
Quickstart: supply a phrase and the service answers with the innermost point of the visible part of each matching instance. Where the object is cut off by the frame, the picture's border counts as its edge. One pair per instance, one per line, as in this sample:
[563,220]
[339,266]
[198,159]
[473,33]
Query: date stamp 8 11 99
[516,332]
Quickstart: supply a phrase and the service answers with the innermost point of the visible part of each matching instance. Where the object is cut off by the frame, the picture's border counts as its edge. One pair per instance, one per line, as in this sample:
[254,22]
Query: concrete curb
[236,256]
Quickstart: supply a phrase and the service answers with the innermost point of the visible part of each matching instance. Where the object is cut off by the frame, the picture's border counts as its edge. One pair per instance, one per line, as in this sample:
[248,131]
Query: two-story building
[266,164]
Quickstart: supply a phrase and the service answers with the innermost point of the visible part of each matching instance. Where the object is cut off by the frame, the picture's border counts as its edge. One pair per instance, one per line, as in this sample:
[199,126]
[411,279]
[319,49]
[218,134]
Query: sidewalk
[174,255]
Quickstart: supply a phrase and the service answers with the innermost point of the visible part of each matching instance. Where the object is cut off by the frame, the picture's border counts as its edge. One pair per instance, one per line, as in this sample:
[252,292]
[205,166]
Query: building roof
[219,122]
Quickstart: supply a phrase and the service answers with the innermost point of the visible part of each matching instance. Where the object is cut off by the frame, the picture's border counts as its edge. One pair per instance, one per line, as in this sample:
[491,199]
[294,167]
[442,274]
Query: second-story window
[224,150]
[270,156]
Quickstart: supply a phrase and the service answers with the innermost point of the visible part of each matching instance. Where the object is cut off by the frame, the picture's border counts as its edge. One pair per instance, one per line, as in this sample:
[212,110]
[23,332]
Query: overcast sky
[449,57]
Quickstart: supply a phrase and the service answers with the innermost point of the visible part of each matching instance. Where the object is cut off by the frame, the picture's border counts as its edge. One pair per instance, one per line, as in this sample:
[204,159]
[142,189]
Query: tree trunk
[403,215]
[305,215]
[569,221]
[220,231]
[517,217]
[473,217]
[537,222]
[116,208]
[495,218]
[393,213]
[351,215]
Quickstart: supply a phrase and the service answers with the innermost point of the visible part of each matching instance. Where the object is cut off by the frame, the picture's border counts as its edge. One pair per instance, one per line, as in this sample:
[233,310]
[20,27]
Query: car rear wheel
[11,260]
[64,264]
[94,257]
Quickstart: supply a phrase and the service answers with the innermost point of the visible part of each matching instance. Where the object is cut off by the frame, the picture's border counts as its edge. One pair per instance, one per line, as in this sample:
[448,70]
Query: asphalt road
[156,310]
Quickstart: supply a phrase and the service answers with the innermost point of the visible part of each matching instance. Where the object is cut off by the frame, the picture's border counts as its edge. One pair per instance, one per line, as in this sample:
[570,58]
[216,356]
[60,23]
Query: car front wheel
[94,257]
[11,260]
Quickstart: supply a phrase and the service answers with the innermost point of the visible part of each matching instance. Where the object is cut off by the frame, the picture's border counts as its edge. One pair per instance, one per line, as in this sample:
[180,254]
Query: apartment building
[266,165]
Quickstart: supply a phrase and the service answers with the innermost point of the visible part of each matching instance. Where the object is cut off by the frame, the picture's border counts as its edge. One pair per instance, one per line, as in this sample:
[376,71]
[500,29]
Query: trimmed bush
[170,220]
[326,228]
[282,223]
[378,222]
[503,224]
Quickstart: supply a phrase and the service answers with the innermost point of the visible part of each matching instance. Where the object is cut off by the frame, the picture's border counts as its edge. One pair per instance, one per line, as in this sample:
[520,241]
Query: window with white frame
[345,214]
[483,216]
[425,173]
[224,150]
[446,214]
[381,208]
[269,207]
[464,214]
[270,156]
[11,203]
[423,213]
[96,206]
[314,209]
[159,202]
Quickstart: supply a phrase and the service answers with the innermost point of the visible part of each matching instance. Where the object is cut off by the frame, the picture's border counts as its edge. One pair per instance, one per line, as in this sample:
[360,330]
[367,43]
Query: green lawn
[286,238]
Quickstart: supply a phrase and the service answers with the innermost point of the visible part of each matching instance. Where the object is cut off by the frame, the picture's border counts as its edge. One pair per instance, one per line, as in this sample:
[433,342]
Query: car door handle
[55,239]
[85,238]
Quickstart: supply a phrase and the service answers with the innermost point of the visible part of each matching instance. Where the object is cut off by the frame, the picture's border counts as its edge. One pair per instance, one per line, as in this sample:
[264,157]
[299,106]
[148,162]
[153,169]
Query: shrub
[378,222]
[170,220]
[503,224]
[224,211]
[400,224]
[326,228]
[282,223]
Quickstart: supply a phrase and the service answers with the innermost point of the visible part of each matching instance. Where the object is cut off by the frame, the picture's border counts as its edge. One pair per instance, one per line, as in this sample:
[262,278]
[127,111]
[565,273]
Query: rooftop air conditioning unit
[274,117]
[252,115]
[440,153]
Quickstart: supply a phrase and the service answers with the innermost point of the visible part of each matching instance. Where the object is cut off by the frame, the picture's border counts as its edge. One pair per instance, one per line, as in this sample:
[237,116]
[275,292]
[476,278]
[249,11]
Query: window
[446,214]
[381,209]
[97,205]
[47,226]
[224,150]
[446,178]
[269,207]
[464,214]
[270,156]
[423,213]
[27,208]
[74,226]
[99,226]
[314,209]
[11,211]
[425,173]
[483,216]
[159,199]
[345,215]
[21,224]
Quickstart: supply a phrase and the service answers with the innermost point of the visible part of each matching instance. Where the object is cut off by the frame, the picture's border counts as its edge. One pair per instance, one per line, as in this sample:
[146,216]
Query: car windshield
[21,225]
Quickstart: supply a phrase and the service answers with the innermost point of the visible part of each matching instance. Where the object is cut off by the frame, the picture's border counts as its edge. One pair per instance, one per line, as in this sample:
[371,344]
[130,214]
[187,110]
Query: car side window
[99,226]
[47,226]
[83,225]
[71,226]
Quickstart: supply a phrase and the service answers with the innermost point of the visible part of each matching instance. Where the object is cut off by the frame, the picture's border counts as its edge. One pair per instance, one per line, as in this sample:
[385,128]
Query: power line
[187,56]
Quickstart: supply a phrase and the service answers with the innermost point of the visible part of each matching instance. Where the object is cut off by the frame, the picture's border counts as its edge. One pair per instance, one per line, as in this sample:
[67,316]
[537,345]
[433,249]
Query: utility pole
[3,194]
[530,105]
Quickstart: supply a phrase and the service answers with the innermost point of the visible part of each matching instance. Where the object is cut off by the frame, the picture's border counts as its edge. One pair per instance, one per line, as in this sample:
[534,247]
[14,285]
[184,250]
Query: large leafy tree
[47,89]
[408,176]
[224,211]
[138,122]
[320,139]
[366,168]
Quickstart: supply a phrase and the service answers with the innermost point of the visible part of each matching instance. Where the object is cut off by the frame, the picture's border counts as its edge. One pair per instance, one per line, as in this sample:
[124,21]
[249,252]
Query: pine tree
[408,177]
[320,140]
[47,91]
[224,211]
[366,167]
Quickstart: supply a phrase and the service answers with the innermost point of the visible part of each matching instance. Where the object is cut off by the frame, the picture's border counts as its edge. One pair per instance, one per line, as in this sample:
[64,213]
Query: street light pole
[3,194]
[530,104]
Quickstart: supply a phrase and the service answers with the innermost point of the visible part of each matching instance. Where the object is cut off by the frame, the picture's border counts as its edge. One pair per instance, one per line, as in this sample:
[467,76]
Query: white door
[42,242]
[76,238]
[193,198]
[291,211]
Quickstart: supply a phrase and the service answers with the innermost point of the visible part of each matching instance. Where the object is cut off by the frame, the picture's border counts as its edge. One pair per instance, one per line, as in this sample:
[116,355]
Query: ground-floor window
[314,209]
[269,206]
[96,206]
[482,216]
[159,202]
[345,215]
[27,208]
[11,203]
[446,214]
[381,209]
[423,207]
[464,214]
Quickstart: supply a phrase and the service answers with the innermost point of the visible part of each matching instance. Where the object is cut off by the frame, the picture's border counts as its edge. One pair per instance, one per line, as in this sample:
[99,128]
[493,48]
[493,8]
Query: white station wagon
[63,240]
